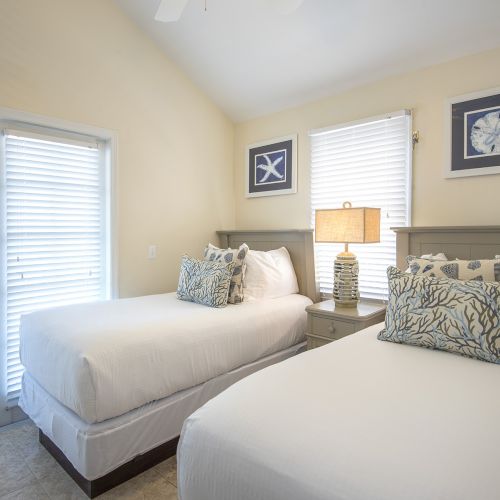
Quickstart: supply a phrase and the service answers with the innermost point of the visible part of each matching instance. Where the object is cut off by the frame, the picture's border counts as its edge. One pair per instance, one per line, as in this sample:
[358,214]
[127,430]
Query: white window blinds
[54,245]
[369,164]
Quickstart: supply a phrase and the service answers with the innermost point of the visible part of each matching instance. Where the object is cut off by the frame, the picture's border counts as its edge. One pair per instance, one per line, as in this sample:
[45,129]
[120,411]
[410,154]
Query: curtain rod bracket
[415,138]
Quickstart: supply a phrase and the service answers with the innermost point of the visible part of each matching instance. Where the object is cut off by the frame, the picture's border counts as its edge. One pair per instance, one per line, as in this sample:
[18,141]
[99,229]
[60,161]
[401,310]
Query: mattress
[354,420]
[104,359]
[96,449]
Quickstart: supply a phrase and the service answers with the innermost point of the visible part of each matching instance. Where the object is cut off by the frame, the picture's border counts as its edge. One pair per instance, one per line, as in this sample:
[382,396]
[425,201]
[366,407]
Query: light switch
[152,252]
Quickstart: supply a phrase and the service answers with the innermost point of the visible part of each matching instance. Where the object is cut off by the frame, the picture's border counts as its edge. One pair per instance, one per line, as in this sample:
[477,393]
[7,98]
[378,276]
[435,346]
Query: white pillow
[438,256]
[269,275]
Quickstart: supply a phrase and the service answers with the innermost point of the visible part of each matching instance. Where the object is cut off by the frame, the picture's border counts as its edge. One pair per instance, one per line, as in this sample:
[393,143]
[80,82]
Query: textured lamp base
[345,280]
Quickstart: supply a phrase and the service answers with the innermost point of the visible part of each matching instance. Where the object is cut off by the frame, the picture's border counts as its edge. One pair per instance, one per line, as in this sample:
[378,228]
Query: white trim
[69,131]
[409,160]
[5,415]
[293,188]
[105,203]
[39,133]
[112,162]
[372,119]
[326,186]
[452,174]
[386,116]
[65,126]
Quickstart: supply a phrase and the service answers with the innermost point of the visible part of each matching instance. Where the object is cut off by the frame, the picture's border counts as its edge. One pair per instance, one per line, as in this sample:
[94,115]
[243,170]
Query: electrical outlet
[152,252]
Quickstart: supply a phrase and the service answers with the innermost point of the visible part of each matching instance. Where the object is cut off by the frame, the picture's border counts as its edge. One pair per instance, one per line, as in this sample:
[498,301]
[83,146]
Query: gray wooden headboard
[457,242]
[299,242]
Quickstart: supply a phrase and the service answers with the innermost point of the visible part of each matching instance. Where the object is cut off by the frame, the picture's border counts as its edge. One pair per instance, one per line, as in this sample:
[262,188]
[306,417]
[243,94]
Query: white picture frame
[458,110]
[271,167]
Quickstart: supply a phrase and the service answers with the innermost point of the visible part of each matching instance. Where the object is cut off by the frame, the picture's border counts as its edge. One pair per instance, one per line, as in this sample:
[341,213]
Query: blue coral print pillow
[479,270]
[204,282]
[215,254]
[462,317]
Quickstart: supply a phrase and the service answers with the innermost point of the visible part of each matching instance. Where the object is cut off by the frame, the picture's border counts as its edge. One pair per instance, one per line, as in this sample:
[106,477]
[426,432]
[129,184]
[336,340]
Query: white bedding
[104,359]
[357,419]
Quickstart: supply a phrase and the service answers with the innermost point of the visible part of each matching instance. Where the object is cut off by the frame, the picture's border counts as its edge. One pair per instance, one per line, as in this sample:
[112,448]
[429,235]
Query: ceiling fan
[170,11]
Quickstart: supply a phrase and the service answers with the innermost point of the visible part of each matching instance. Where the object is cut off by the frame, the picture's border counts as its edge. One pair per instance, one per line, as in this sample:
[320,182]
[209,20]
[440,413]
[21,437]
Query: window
[55,237]
[369,164]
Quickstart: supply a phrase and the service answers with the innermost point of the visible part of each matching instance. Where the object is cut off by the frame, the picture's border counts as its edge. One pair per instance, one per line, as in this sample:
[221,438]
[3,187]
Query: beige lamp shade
[348,225]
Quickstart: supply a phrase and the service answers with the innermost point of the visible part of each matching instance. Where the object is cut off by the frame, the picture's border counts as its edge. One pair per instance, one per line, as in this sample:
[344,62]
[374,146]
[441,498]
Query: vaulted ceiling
[252,59]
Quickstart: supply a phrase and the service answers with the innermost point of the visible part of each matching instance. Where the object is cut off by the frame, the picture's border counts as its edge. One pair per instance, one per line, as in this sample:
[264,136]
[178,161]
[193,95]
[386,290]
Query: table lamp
[347,225]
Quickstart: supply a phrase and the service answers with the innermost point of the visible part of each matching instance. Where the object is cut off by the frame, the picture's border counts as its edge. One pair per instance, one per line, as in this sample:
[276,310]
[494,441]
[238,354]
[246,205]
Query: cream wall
[436,201]
[84,61]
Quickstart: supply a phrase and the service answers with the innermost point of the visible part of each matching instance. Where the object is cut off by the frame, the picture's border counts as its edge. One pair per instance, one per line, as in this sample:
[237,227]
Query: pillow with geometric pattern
[215,254]
[430,256]
[479,270]
[462,317]
[204,282]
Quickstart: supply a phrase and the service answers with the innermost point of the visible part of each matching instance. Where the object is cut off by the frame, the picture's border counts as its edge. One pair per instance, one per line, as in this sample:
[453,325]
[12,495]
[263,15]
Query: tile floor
[28,471]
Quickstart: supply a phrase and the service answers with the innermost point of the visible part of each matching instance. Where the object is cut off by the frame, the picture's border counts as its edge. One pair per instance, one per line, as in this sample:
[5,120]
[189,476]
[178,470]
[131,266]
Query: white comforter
[104,359]
[359,419]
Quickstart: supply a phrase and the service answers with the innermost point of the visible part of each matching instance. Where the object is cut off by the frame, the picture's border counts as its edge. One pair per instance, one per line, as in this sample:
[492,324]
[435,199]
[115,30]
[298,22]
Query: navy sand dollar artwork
[474,123]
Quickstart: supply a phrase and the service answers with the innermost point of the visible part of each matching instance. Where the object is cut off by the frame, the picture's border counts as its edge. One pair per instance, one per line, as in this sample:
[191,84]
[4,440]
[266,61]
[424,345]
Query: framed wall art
[473,132]
[271,167]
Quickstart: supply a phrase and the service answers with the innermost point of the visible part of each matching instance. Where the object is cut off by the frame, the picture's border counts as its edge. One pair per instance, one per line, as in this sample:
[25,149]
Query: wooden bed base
[118,476]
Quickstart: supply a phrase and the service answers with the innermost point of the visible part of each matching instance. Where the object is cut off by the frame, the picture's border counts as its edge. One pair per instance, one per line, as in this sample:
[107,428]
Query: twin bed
[110,384]
[357,419]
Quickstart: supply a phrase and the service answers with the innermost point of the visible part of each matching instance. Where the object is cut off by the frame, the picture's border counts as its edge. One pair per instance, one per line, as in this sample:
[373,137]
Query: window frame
[409,162]
[65,130]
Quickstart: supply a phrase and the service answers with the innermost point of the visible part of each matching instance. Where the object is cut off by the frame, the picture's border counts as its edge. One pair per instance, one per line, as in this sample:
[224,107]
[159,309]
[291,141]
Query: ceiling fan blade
[170,11]
[286,6]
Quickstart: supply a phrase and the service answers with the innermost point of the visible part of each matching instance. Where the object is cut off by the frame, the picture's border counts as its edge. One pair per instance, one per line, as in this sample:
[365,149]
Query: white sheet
[104,359]
[96,449]
[357,419]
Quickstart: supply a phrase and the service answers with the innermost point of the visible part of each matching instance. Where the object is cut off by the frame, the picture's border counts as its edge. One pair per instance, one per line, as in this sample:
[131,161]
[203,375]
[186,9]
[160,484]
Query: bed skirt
[95,450]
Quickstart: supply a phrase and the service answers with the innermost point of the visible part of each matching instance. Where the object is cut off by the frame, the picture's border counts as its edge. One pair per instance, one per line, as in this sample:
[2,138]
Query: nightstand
[326,322]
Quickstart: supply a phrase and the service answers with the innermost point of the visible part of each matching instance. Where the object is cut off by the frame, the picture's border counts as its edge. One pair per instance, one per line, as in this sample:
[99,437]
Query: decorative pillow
[215,254]
[430,256]
[269,275]
[480,270]
[204,282]
[457,316]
